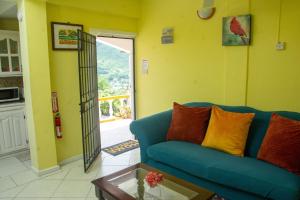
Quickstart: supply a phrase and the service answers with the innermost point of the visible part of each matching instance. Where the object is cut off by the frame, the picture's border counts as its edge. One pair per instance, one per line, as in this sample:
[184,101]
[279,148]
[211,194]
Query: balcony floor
[115,132]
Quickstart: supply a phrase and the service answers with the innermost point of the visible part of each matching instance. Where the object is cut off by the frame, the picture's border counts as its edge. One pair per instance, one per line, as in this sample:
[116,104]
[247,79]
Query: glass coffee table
[130,184]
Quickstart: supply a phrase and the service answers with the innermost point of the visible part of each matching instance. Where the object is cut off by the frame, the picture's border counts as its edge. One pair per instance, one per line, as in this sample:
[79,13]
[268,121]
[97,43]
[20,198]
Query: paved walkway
[115,132]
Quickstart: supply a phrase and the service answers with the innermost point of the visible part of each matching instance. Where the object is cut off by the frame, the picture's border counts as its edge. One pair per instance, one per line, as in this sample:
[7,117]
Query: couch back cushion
[281,144]
[188,123]
[259,125]
[228,131]
[257,129]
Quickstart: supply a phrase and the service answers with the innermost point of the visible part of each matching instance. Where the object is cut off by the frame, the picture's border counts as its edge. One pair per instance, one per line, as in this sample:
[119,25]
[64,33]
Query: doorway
[115,69]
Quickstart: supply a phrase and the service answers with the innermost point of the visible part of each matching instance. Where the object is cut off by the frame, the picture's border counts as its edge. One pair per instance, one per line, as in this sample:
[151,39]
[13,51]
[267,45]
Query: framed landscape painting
[64,35]
[237,30]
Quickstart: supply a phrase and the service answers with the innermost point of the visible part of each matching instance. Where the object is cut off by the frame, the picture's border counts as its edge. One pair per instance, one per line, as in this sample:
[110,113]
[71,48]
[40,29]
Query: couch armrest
[151,130]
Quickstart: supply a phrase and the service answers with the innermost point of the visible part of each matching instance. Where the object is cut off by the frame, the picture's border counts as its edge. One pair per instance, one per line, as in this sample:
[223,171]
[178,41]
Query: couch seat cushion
[246,174]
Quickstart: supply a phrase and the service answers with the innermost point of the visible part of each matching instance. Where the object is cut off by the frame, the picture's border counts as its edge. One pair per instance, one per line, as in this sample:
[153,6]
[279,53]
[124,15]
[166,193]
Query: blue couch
[232,177]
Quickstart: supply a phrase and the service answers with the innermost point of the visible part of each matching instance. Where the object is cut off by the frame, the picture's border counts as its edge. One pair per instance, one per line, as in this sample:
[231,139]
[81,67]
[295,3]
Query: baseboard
[70,160]
[14,153]
[45,171]
[56,167]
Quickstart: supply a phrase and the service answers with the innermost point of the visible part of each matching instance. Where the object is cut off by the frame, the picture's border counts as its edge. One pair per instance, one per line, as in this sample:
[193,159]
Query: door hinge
[24,116]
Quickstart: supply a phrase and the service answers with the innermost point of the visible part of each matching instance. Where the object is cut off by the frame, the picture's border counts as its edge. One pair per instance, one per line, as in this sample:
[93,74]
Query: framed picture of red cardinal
[237,30]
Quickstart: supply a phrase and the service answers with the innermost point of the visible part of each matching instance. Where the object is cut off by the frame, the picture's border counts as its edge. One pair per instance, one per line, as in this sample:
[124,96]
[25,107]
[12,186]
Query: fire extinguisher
[58,126]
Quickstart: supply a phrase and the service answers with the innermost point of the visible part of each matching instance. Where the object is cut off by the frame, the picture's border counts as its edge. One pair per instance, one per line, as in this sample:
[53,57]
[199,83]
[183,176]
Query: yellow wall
[197,68]
[35,63]
[9,24]
[274,75]
[64,71]
[125,8]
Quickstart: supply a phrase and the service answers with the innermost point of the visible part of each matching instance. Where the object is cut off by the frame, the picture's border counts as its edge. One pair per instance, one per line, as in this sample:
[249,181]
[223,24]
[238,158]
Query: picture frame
[236,30]
[64,35]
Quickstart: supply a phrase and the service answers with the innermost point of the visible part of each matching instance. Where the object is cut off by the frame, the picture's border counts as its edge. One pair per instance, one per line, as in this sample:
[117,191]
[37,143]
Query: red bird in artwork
[237,29]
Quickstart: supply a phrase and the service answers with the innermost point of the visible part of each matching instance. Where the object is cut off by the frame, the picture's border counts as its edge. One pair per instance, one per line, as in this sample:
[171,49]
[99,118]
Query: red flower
[154,178]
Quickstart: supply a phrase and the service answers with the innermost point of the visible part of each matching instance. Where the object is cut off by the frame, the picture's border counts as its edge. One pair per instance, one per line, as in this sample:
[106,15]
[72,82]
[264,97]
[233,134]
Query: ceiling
[8,9]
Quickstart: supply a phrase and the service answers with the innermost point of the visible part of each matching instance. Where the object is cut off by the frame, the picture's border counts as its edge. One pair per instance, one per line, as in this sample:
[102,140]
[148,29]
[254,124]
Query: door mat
[122,147]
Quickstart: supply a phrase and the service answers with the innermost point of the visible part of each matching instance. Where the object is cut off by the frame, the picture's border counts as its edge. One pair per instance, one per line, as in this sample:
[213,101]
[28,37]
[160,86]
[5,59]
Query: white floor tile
[106,170]
[78,163]
[57,175]
[9,166]
[92,193]
[66,198]
[77,173]
[27,164]
[122,159]
[134,157]
[21,178]
[40,188]
[6,183]
[31,198]
[73,189]
[115,132]
[23,156]
[4,162]
[11,192]
[70,182]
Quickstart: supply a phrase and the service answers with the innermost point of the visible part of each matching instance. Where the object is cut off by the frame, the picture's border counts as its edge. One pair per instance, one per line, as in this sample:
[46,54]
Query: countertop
[12,104]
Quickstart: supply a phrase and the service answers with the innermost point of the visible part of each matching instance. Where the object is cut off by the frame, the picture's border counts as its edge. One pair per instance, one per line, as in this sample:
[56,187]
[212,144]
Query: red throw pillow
[189,123]
[281,145]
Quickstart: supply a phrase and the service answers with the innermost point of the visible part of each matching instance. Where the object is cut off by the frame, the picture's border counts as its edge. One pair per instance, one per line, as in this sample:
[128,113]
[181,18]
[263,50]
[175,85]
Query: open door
[89,108]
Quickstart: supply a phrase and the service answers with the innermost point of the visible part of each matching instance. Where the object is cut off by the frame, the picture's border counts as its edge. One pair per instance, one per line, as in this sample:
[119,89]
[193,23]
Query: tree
[104,87]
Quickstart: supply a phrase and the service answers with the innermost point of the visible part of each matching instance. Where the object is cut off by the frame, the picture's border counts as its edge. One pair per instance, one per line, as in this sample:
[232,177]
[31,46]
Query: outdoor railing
[114,107]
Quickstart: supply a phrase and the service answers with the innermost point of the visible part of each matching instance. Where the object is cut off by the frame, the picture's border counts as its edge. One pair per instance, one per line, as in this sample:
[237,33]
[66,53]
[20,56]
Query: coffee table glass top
[133,183]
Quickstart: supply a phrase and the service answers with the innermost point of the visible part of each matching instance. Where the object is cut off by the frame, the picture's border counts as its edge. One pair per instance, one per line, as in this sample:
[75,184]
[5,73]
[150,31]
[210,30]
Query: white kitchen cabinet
[13,132]
[6,139]
[10,57]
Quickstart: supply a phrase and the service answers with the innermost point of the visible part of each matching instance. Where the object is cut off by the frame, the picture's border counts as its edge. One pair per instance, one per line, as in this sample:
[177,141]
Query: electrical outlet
[280,46]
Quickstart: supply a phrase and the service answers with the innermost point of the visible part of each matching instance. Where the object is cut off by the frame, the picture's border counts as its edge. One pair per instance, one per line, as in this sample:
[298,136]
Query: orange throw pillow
[228,131]
[281,145]
[188,123]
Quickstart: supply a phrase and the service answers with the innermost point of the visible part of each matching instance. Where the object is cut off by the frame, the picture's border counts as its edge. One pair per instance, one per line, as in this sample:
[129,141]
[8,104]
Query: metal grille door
[89,108]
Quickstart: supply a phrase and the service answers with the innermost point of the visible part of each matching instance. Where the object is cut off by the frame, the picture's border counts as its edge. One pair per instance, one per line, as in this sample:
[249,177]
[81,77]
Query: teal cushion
[227,193]
[246,174]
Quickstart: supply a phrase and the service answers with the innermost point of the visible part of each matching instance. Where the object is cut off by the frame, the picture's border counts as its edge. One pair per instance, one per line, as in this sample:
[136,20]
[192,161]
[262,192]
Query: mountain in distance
[113,70]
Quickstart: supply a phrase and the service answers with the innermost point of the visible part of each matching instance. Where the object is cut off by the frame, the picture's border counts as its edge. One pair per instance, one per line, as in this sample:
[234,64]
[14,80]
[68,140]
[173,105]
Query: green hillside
[113,70]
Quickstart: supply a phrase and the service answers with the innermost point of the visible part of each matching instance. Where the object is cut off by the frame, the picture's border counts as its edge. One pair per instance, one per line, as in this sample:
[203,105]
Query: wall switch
[280,46]
[145,66]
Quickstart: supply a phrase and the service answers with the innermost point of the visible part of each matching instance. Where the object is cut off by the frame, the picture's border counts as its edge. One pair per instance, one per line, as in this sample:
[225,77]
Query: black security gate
[89,108]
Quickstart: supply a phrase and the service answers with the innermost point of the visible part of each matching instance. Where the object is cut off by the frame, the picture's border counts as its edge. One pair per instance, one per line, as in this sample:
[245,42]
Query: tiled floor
[17,181]
[115,132]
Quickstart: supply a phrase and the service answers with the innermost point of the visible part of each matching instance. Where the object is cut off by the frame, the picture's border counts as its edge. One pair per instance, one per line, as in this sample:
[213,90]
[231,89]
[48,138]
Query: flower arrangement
[154,178]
